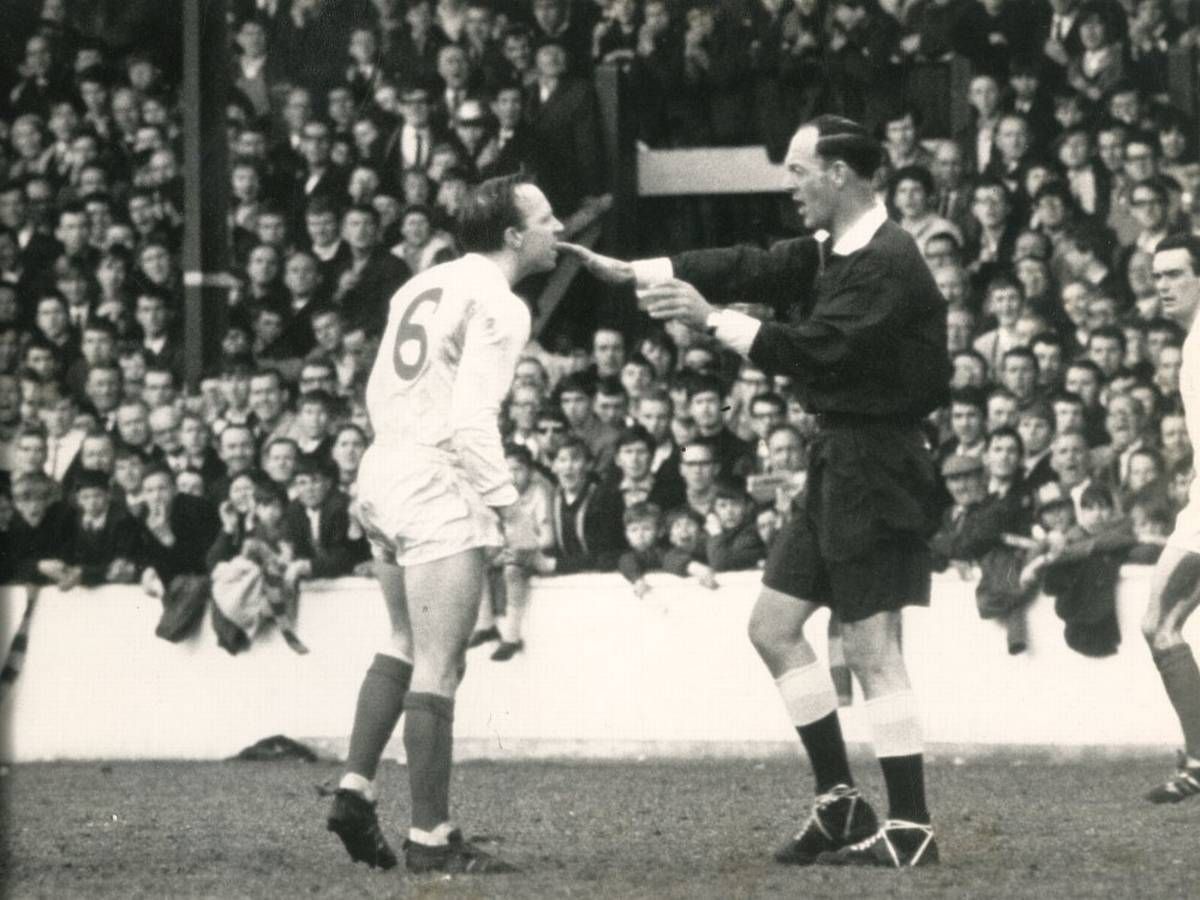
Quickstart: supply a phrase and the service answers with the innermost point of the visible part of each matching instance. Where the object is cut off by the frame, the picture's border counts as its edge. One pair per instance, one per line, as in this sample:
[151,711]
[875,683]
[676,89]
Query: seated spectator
[175,534]
[278,461]
[423,245]
[733,542]
[698,465]
[910,196]
[99,544]
[587,529]
[318,526]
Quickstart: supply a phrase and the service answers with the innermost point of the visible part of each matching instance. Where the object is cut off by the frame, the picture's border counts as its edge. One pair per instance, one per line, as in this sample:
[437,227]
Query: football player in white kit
[1175,590]
[434,493]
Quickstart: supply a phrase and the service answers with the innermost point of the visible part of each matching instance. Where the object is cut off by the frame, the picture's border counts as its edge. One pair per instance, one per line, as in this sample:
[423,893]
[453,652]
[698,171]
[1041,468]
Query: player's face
[1177,284]
[811,180]
[539,236]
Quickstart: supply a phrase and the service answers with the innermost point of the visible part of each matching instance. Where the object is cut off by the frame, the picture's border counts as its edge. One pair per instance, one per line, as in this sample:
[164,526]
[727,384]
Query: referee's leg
[874,654]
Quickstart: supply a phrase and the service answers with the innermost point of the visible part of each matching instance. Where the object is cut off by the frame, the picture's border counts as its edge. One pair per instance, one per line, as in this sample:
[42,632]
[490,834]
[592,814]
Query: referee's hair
[490,209]
[1183,241]
[847,140]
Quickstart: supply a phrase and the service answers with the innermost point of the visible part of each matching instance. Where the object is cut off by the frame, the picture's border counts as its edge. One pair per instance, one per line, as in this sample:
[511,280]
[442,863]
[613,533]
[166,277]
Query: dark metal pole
[206,182]
[619,127]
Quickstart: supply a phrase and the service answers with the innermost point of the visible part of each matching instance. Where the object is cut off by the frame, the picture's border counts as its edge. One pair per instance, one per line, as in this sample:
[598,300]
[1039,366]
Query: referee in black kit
[866,347]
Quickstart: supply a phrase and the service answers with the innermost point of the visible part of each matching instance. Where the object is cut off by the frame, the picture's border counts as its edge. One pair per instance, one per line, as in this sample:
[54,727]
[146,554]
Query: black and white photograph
[600,449]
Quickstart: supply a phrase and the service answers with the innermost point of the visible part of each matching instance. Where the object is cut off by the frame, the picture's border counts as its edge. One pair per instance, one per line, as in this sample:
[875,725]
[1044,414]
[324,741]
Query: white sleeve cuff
[653,271]
[734,329]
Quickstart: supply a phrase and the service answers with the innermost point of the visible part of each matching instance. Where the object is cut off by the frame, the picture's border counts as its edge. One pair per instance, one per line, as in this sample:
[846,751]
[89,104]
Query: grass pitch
[1011,826]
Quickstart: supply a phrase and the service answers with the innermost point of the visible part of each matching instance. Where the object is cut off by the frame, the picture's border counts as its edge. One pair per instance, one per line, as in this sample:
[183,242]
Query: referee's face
[809,179]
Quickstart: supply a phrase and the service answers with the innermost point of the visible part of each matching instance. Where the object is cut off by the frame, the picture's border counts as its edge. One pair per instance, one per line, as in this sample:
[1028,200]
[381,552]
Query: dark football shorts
[857,538]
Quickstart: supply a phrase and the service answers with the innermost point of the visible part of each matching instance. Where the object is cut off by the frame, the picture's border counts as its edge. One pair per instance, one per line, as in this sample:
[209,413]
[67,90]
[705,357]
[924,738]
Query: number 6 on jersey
[412,344]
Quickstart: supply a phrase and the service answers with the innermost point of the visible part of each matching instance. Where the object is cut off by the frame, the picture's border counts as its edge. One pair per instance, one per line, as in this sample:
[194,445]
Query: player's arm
[489,355]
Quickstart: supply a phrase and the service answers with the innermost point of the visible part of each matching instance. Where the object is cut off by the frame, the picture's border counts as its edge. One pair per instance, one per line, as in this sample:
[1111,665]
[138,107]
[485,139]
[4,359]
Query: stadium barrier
[604,675]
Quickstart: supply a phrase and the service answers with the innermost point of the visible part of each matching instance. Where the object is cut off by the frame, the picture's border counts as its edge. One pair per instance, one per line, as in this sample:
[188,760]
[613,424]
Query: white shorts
[1186,535]
[418,514]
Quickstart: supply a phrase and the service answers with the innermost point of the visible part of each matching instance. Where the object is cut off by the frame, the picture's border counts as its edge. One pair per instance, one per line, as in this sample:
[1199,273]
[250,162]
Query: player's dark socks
[1181,677]
[380,703]
[428,744]
[826,751]
[905,780]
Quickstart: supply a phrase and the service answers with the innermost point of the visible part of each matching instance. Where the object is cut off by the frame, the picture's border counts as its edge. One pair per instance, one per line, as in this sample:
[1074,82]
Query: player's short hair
[847,140]
[490,209]
[642,512]
[1188,242]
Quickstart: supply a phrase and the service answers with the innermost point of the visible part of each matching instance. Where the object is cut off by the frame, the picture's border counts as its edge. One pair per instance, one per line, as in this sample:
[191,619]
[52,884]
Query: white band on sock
[808,693]
[352,781]
[895,724]
[438,837]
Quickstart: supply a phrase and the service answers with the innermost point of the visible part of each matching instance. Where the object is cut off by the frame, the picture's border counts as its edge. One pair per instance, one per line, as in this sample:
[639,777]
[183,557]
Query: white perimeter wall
[604,674]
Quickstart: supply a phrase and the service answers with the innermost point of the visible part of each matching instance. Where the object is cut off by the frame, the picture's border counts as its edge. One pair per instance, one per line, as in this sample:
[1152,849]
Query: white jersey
[446,360]
[1189,392]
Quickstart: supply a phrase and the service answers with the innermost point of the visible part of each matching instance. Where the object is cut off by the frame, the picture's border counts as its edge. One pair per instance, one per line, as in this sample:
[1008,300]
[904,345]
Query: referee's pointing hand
[677,300]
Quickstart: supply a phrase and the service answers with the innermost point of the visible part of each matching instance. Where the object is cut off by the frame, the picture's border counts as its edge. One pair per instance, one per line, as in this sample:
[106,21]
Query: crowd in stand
[354,129]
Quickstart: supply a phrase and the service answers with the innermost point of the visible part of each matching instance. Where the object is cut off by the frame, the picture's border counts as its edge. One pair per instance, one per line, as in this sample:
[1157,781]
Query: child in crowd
[254,573]
[643,527]
[1080,566]
[685,529]
[524,555]
[98,539]
[733,542]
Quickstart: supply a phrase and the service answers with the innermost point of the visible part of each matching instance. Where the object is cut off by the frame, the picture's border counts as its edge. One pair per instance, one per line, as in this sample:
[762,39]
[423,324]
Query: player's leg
[380,703]
[443,604]
[1174,595]
[874,654]
[843,682]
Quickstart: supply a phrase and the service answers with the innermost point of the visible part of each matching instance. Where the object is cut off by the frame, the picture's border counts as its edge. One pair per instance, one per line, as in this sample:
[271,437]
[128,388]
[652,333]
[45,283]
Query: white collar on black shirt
[860,233]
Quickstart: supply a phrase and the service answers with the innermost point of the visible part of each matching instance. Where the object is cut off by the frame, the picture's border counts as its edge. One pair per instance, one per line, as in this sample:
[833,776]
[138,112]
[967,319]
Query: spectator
[587,534]
[317,525]
[733,541]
